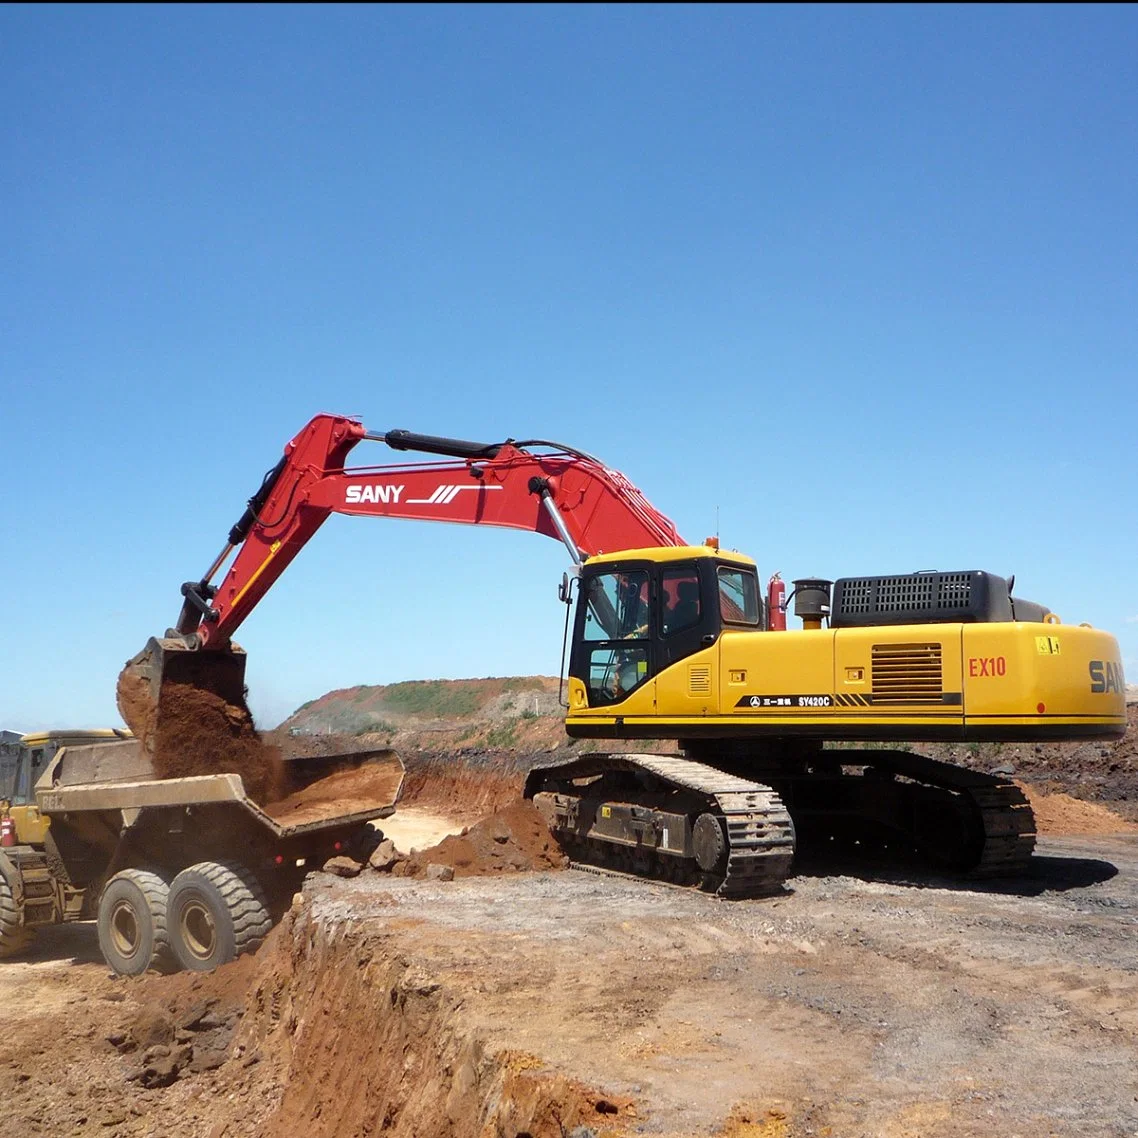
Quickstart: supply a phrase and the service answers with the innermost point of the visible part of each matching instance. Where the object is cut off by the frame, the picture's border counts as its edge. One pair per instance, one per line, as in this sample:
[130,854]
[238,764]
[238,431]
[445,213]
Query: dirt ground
[866,1001]
[549,1004]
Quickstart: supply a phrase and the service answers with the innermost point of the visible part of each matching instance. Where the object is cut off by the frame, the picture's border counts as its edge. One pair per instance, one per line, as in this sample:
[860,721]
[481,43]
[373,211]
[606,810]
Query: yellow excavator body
[1005,680]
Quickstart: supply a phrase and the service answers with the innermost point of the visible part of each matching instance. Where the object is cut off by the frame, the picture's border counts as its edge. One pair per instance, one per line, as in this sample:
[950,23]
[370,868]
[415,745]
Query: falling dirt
[374,783]
[514,839]
[199,733]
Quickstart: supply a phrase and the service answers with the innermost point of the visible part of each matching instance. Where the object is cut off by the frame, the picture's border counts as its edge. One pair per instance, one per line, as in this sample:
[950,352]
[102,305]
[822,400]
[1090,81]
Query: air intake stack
[811,601]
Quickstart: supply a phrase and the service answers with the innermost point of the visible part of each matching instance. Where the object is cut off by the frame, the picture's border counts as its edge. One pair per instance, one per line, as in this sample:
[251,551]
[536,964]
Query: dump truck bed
[329,792]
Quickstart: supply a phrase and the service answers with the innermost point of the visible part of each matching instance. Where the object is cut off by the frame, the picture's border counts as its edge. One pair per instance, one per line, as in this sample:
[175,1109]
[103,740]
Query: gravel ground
[869,1006]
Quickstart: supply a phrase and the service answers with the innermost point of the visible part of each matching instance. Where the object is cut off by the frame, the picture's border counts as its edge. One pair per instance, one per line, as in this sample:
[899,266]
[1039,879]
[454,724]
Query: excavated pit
[333,1032]
[411,1062]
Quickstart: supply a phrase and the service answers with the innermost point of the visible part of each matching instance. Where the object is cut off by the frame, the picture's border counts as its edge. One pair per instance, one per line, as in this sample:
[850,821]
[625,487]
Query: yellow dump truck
[178,872]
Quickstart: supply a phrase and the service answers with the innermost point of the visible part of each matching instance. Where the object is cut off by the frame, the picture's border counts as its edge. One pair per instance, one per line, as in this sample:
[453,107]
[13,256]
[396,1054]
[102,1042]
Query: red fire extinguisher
[7,830]
[776,604]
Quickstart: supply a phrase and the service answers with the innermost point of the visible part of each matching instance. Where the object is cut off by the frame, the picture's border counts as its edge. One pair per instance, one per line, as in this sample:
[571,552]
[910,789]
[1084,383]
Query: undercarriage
[729,822]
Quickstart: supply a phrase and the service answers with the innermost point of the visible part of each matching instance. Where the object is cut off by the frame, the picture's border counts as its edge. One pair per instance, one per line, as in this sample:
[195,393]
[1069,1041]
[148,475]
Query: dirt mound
[1060,815]
[514,839]
[199,733]
[356,789]
[185,1024]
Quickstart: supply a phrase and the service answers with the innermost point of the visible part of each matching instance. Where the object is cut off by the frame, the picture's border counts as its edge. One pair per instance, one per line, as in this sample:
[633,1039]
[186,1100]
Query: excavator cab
[641,611]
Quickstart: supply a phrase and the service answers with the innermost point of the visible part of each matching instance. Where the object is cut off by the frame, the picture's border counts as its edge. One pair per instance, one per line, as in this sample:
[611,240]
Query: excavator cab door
[612,643]
[687,608]
[636,618]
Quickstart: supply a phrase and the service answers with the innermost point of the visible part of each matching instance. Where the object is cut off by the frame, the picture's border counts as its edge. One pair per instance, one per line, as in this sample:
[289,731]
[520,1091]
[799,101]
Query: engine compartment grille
[907,673]
[920,598]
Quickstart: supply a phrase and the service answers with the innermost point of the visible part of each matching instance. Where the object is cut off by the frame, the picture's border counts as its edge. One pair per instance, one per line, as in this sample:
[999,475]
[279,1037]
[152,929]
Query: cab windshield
[615,634]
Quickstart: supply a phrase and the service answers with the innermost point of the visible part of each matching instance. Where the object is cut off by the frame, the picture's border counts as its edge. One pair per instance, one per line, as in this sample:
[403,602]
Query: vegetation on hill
[498,712]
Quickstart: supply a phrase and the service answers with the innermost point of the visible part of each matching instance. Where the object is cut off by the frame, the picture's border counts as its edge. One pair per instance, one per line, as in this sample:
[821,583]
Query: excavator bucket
[148,679]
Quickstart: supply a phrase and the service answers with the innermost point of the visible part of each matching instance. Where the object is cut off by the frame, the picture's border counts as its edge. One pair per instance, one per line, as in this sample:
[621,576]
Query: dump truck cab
[24,759]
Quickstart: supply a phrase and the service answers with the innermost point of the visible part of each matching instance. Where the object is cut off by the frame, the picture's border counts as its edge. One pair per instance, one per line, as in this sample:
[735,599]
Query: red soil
[372,785]
[514,839]
[199,733]
[1060,815]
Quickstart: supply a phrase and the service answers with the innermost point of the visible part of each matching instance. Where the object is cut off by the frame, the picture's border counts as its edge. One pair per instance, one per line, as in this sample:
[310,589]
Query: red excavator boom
[562,493]
[553,490]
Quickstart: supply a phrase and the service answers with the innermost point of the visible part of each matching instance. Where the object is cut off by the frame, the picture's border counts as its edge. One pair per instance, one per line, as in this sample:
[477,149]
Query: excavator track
[1009,830]
[1002,823]
[967,822]
[670,818]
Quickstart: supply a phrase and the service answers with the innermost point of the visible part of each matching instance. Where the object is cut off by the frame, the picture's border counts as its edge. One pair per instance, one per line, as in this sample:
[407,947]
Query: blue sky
[859,283]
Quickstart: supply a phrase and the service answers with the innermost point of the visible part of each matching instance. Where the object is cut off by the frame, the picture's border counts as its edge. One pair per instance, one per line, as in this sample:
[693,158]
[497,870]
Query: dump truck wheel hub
[125,931]
[199,930]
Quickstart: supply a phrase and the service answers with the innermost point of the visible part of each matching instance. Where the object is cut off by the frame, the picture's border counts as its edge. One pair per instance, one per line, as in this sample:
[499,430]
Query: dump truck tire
[14,938]
[132,923]
[218,911]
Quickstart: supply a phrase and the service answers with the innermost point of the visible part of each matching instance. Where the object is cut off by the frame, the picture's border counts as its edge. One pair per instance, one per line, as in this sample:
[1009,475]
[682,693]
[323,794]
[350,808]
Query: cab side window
[23,793]
[680,600]
[738,597]
[9,764]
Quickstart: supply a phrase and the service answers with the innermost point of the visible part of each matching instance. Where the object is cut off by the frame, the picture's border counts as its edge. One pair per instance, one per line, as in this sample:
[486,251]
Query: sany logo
[373,493]
[389,494]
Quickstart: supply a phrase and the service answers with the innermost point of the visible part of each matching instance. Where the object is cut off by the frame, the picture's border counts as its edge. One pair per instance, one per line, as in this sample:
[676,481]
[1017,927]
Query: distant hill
[505,713]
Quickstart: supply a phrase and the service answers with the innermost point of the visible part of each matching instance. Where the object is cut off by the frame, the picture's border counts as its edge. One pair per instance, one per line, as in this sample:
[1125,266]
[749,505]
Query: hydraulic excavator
[781,732]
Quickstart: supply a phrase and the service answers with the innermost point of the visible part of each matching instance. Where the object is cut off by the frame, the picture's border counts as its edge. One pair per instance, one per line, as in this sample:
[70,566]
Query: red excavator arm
[561,493]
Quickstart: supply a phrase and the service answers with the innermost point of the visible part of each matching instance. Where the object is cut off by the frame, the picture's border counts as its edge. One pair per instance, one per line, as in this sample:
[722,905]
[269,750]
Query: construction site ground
[867,999]
[863,1001]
